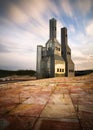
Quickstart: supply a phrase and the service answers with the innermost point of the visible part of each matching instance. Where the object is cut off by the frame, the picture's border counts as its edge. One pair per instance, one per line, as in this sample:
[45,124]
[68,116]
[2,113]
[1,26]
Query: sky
[24,24]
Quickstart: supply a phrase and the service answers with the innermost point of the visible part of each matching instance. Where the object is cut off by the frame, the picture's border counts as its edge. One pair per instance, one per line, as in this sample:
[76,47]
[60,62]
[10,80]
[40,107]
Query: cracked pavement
[47,104]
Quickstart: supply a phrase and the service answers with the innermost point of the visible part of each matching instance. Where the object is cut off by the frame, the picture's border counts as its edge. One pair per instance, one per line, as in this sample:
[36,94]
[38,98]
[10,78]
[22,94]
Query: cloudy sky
[24,24]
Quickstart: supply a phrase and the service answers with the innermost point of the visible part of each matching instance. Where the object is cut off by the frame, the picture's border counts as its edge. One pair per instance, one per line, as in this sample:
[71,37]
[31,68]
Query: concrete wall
[39,62]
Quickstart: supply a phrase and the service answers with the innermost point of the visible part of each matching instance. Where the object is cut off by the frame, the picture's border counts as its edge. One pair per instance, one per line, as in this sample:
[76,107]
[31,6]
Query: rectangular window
[62,70]
[71,70]
[58,49]
[68,53]
[57,70]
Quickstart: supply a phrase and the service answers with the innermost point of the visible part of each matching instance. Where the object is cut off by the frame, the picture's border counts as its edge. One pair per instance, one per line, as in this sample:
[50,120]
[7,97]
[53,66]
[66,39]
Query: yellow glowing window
[62,70]
[57,70]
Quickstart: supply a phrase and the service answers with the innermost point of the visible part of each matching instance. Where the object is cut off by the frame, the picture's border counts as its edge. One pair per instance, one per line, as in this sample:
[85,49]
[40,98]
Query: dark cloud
[3,7]
[4,4]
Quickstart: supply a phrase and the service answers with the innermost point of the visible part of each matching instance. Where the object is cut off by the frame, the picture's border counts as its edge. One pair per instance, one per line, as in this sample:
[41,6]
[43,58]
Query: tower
[55,62]
[52,28]
[66,53]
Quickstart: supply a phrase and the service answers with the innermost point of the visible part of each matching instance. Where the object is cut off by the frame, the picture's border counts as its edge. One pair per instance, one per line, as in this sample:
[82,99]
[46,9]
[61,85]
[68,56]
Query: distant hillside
[83,72]
[5,73]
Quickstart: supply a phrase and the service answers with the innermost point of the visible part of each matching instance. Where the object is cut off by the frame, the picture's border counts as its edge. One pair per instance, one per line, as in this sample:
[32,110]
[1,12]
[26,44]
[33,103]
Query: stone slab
[58,111]
[57,124]
[17,123]
[27,110]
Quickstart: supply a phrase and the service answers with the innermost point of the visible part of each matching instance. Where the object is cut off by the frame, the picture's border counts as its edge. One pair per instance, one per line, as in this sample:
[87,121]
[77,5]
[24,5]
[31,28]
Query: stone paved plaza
[47,104]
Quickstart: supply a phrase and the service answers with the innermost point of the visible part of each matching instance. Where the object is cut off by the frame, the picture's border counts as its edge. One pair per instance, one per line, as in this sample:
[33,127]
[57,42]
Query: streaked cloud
[66,6]
[84,6]
[24,24]
[16,14]
[71,29]
[89,28]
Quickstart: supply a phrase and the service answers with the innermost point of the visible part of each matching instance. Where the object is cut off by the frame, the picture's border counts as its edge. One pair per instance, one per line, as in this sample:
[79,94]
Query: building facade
[54,60]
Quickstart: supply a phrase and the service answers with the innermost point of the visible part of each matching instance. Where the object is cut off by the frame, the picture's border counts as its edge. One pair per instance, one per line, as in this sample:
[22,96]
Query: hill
[83,72]
[5,73]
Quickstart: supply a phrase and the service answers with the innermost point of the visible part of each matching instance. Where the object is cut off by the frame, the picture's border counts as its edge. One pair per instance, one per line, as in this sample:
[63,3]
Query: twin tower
[54,60]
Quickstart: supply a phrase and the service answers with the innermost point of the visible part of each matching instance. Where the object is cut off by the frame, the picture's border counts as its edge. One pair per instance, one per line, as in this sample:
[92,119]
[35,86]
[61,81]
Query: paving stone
[60,99]
[6,108]
[17,122]
[57,124]
[86,123]
[61,90]
[27,110]
[58,111]
[48,104]
[40,98]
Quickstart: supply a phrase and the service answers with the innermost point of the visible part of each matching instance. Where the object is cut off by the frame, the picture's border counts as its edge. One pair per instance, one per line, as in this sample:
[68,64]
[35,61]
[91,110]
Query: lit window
[62,70]
[57,70]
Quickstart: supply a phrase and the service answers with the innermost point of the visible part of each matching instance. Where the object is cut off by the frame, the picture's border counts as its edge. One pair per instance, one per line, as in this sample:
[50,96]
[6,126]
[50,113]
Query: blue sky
[24,24]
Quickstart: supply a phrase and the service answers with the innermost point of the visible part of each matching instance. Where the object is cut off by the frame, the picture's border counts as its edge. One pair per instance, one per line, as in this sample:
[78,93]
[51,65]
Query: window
[58,49]
[68,53]
[62,70]
[57,70]
[71,70]
[55,29]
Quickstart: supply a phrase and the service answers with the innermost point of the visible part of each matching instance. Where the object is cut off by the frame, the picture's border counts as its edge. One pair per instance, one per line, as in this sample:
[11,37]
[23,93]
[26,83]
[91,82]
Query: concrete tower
[39,62]
[66,53]
[55,63]
[52,28]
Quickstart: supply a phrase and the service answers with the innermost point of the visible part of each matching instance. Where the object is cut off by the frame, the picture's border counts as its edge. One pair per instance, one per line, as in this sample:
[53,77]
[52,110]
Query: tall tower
[52,28]
[66,53]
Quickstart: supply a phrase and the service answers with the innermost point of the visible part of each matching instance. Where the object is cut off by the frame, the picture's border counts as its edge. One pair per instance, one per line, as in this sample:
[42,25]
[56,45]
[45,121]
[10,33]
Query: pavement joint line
[75,111]
[43,109]
[6,113]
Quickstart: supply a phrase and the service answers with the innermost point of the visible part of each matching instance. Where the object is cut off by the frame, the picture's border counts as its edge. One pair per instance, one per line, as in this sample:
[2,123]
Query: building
[54,60]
